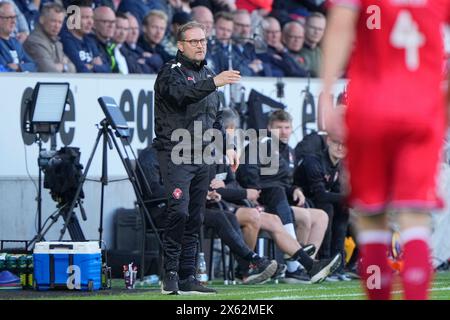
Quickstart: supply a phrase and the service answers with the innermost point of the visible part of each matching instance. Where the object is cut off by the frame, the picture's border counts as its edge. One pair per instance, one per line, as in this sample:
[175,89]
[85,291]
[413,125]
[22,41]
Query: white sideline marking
[298,297]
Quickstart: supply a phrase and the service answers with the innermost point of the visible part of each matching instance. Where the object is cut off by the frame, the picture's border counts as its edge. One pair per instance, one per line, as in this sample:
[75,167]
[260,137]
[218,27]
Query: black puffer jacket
[184,92]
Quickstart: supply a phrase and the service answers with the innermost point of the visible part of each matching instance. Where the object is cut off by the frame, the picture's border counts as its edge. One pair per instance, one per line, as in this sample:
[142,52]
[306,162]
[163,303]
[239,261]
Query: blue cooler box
[67,265]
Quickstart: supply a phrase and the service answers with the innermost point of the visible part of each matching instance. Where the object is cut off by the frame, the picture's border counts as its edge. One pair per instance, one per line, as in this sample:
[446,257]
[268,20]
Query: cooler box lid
[89,247]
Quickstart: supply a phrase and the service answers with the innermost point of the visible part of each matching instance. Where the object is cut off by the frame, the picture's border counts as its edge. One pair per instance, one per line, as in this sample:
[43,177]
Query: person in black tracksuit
[319,176]
[185,92]
[278,192]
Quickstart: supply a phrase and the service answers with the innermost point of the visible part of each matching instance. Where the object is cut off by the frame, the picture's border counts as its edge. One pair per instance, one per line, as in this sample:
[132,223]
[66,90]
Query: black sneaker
[321,269]
[260,271]
[280,272]
[193,286]
[170,283]
[310,249]
[298,276]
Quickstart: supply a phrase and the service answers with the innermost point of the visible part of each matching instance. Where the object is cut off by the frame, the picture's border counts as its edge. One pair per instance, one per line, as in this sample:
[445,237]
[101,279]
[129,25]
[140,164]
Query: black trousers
[333,241]
[186,189]
[227,227]
[276,201]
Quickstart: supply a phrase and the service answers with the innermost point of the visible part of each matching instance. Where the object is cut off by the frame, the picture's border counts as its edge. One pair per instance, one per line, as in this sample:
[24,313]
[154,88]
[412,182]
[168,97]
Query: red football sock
[417,268]
[376,275]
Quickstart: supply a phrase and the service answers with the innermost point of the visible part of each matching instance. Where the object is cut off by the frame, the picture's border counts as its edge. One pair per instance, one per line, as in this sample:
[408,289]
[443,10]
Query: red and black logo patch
[177,193]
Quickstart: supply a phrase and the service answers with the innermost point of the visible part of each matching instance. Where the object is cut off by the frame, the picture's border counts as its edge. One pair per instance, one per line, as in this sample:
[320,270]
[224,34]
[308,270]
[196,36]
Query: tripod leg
[82,180]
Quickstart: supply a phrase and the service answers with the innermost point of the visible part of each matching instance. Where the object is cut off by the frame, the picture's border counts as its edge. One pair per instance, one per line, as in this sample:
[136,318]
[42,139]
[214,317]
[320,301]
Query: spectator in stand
[140,8]
[252,5]
[125,63]
[104,28]
[204,16]
[244,51]
[22,29]
[12,54]
[277,57]
[216,5]
[154,28]
[43,44]
[311,52]
[149,63]
[219,48]
[293,38]
[30,10]
[170,41]
[80,48]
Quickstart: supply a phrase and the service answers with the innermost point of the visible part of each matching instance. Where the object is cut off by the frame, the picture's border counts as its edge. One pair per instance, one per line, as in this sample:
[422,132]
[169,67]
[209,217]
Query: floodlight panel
[50,102]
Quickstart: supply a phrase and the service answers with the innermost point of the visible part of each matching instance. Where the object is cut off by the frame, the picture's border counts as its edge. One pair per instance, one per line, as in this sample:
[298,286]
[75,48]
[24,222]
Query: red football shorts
[393,164]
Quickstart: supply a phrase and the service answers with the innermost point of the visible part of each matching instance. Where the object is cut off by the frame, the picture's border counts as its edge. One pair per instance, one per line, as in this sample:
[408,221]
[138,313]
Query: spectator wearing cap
[170,41]
[12,54]
[154,28]
[43,44]
[148,62]
[293,38]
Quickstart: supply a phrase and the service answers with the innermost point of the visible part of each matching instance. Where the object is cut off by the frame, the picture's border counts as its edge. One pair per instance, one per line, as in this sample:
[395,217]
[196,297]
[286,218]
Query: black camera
[63,173]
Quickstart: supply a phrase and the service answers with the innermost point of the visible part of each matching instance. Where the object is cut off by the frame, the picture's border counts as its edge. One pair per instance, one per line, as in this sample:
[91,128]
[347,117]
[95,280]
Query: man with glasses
[319,176]
[12,54]
[294,38]
[311,52]
[104,28]
[186,97]
[276,58]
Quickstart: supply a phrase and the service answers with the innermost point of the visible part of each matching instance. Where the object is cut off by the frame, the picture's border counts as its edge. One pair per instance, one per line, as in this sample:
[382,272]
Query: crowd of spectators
[257,37]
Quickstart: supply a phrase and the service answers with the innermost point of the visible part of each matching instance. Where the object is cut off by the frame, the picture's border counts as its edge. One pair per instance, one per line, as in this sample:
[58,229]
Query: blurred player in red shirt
[394,127]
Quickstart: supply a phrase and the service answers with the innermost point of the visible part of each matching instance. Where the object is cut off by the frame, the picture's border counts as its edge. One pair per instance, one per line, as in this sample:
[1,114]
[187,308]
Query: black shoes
[298,276]
[193,286]
[170,283]
[309,249]
[321,269]
[260,271]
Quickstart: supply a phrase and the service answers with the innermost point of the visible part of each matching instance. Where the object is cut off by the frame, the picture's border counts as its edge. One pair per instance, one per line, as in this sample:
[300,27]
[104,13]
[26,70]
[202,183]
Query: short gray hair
[229,118]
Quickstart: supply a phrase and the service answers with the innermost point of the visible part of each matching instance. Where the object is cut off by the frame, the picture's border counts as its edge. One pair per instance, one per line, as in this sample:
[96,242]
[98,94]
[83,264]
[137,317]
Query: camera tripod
[73,225]
[106,134]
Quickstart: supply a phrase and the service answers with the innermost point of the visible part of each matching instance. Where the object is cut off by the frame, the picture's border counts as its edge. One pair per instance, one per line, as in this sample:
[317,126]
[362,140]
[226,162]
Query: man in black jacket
[278,193]
[186,98]
[319,177]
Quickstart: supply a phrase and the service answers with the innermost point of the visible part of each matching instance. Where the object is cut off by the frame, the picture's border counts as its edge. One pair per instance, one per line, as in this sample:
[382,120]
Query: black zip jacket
[319,179]
[184,92]
[249,175]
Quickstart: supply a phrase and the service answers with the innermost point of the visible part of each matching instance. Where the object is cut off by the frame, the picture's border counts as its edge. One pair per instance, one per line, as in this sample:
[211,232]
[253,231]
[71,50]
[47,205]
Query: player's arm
[337,46]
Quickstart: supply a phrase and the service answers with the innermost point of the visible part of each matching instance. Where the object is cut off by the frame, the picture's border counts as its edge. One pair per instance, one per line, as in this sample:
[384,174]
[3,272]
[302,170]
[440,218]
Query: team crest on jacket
[177,193]
[190,79]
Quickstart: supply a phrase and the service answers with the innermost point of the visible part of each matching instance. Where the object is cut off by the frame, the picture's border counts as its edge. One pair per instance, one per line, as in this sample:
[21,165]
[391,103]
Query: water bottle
[22,270]
[11,264]
[202,275]
[30,271]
